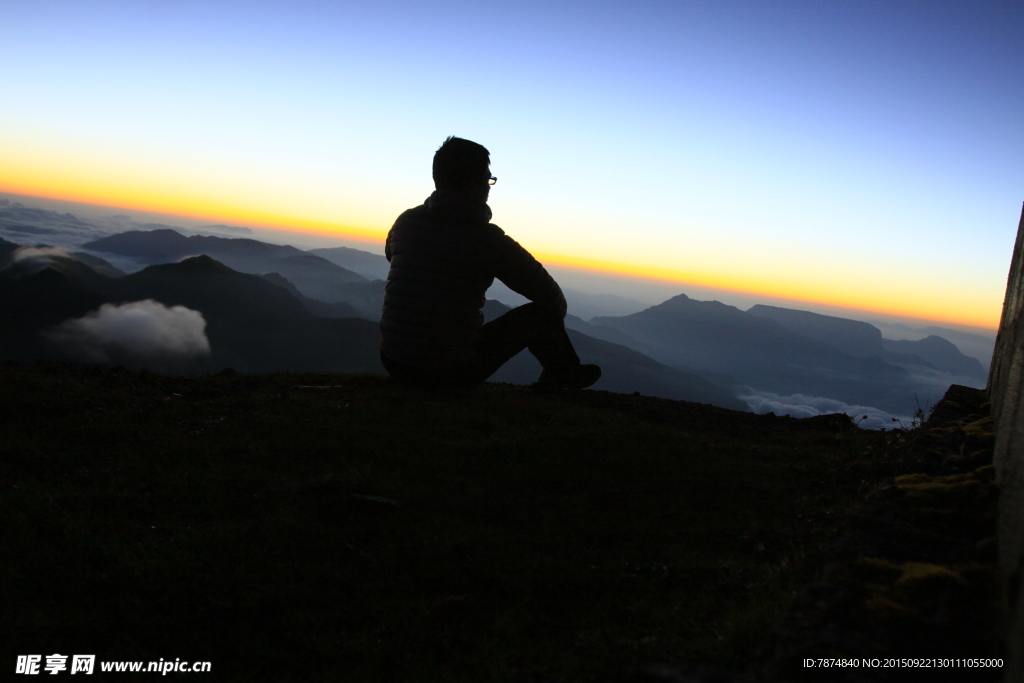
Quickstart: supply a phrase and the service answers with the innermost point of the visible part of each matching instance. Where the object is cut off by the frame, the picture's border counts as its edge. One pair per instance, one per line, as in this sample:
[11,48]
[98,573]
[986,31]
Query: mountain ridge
[260,323]
[753,353]
[314,275]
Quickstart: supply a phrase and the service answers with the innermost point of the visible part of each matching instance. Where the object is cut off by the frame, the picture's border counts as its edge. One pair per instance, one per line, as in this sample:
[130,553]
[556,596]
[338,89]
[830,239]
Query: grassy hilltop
[340,527]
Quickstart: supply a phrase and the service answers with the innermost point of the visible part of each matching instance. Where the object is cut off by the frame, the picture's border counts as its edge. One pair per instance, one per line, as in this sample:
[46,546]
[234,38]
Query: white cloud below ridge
[137,334]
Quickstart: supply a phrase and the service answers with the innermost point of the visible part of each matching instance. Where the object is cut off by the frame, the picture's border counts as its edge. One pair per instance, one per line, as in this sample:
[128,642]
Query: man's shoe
[576,377]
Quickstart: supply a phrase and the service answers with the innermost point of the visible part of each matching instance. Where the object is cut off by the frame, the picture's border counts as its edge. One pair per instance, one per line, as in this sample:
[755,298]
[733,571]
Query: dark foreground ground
[341,528]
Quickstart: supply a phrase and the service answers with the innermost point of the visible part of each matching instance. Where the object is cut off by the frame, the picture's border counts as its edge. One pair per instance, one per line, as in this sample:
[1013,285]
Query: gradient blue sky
[866,154]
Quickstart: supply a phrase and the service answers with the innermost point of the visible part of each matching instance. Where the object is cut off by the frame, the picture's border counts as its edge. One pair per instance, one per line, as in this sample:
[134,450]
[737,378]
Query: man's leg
[532,327]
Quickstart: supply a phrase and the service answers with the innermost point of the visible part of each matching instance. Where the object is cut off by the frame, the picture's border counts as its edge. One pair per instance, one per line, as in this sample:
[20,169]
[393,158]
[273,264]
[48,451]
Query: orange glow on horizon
[201,210]
[214,212]
[759,288]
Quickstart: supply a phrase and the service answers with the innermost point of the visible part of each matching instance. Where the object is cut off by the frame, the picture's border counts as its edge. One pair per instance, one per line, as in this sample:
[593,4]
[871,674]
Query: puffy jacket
[444,255]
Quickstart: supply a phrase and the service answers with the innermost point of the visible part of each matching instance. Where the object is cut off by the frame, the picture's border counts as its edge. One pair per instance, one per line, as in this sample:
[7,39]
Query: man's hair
[460,164]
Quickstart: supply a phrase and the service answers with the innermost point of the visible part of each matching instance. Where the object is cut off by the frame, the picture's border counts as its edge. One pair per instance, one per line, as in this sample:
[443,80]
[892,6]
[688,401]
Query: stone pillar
[1006,392]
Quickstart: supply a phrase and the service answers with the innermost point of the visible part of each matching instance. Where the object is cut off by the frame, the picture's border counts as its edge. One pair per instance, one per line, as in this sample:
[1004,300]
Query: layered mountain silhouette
[935,352]
[252,324]
[161,244]
[314,275]
[682,348]
[760,353]
[263,323]
[339,309]
[370,266]
[864,339]
[849,336]
[971,344]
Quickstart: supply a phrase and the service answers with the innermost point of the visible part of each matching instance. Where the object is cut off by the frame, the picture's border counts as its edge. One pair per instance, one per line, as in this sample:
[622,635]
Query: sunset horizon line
[376,237]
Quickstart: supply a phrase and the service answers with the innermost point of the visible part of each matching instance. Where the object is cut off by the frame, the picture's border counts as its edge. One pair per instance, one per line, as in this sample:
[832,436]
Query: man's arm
[522,273]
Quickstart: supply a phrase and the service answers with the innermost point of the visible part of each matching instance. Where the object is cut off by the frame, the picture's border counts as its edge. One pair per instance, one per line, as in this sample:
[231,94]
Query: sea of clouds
[802,405]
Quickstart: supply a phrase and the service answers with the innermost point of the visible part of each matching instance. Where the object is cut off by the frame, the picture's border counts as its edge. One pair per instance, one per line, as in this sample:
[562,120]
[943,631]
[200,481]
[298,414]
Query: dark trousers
[527,327]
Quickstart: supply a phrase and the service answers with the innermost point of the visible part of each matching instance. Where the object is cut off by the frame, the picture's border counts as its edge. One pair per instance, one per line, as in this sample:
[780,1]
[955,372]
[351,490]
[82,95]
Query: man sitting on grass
[444,255]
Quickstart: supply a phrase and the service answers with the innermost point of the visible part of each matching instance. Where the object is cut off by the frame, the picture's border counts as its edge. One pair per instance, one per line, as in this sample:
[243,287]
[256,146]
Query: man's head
[463,166]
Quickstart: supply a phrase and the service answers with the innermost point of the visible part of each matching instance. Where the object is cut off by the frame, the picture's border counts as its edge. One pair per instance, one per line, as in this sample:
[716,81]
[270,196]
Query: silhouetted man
[444,255]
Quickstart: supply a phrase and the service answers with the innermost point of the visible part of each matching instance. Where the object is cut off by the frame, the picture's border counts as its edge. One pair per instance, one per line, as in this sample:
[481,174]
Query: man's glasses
[492,180]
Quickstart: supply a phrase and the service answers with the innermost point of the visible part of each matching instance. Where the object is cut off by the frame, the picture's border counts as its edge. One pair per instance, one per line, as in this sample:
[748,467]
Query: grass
[367,531]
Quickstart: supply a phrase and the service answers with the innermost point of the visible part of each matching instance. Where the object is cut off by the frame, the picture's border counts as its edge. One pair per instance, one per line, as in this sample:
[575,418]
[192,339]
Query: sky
[862,154]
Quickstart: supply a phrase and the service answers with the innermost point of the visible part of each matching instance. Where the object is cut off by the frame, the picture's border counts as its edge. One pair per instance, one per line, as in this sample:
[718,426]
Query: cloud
[138,334]
[22,253]
[36,258]
[802,405]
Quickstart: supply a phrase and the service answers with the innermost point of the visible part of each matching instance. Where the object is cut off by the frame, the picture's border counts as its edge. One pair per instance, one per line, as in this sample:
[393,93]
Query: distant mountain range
[279,307]
[370,266]
[19,223]
[263,323]
[789,352]
[252,324]
[852,337]
[978,346]
[934,352]
[314,275]
[858,338]
[759,352]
